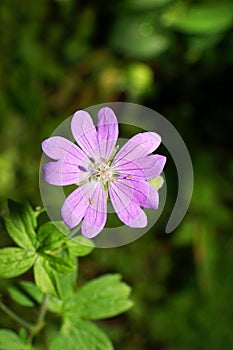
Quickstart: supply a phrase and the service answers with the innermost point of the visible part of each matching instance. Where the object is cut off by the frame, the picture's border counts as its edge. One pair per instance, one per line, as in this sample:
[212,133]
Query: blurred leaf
[102,297]
[21,225]
[15,261]
[204,18]
[139,31]
[11,341]
[81,335]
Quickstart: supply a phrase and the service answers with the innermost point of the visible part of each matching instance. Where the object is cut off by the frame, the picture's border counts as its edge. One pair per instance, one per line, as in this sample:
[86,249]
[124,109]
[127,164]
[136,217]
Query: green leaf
[157,182]
[45,277]
[11,341]
[80,246]
[49,280]
[26,294]
[64,263]
[81,335]
[54,248]
[50,238]
[106,296]
[21,225]
[15,261]
[66,283]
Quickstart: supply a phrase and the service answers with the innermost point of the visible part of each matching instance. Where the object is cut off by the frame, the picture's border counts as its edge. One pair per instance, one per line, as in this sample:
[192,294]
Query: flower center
[102,171]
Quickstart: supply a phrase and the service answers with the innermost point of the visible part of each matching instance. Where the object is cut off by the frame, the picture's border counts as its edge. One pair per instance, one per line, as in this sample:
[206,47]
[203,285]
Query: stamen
[91,201]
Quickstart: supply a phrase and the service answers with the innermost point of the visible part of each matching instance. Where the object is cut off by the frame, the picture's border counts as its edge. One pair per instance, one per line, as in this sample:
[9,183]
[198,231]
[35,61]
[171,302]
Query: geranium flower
[99,174]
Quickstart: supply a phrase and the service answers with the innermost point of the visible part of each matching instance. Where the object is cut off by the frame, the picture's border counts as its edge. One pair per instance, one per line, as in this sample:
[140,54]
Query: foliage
[176,58]
[53,258]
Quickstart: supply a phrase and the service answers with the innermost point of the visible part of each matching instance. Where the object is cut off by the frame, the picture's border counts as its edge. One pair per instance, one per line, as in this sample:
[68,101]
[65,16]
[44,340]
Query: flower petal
[107,132]
[137,147]
[57,147]
[85,133]
[144,193]
[96,214]
[61,173]
[76,204]
[128,211]
[145,168]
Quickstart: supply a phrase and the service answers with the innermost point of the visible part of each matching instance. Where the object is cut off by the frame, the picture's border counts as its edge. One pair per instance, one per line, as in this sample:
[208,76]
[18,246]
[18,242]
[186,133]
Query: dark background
[175,57]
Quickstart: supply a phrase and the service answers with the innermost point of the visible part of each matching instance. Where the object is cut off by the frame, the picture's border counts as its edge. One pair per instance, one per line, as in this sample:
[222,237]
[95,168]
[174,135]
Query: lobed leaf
[105,296]
[15,261]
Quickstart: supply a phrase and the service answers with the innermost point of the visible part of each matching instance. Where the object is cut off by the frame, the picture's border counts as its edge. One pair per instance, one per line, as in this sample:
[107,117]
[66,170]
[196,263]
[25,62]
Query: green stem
[15,317]
[40,320]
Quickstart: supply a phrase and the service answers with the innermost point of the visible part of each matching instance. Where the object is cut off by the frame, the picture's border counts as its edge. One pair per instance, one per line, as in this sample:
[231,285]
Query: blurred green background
[175,57]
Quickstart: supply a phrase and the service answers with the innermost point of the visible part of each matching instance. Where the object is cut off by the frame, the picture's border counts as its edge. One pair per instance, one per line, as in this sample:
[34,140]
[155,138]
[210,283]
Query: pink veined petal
[96,214]
[137,147]
[76,204]
[107,132]
[61,173]
[145,168]
[85,133]
[128,211]
[57,147]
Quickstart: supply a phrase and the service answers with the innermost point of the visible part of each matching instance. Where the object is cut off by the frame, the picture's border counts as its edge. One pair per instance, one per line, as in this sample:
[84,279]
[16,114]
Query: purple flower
[99,174]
